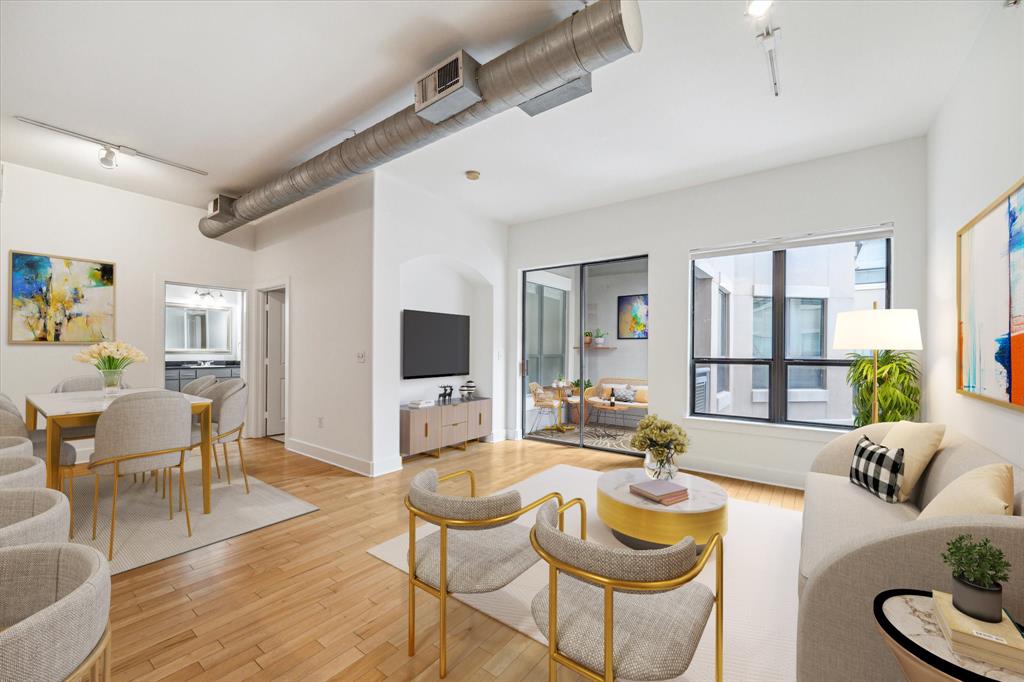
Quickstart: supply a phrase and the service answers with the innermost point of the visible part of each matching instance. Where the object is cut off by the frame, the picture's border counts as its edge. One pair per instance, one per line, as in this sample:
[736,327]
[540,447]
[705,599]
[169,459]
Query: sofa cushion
[836,512]
[985,490]
[877,469]
[919,443]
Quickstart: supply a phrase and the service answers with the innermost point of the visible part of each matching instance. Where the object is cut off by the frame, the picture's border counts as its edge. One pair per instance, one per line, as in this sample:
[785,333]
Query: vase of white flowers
[662,441]
[110,358]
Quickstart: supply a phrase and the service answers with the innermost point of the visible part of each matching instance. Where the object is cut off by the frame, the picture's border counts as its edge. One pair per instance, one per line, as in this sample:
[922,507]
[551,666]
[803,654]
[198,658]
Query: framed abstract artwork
[990,302]
[633,316]
[55,299]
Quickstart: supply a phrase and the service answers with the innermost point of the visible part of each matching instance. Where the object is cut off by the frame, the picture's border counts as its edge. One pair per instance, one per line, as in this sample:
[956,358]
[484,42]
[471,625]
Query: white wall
[150,241]
[321,247]
[866,187]
[975,153]
[409,224]
[626,358]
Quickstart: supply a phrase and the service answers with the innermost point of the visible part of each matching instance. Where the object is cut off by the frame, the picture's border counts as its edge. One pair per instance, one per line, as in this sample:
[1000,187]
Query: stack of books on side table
[663,492]
[415,404]
[1000,644]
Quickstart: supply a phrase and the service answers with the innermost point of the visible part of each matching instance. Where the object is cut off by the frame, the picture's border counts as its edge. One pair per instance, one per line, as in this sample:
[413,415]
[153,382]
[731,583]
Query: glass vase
[111,381]
[660,468]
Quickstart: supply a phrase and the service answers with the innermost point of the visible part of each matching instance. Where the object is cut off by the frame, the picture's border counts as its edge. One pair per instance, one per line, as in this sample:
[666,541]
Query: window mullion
[777,382]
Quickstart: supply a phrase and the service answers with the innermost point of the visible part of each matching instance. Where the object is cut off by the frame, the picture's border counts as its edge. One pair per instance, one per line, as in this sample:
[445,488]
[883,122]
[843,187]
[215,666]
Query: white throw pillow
[919,443]
[985,490]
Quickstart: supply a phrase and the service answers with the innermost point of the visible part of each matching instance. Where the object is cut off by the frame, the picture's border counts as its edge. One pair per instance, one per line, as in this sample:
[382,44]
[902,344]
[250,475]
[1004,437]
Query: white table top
[87,402]
[705,496]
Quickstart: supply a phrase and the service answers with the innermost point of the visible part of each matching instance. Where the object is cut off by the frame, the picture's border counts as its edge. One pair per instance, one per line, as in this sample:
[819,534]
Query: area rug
[606,436]
[761,553]
[144,531]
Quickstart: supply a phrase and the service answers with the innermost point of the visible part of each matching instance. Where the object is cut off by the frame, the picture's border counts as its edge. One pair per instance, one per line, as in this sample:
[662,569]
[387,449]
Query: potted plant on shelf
[576,386]
[588,336]
[599,335]
[111,358]
[899,386]
[978,568]
[662,441]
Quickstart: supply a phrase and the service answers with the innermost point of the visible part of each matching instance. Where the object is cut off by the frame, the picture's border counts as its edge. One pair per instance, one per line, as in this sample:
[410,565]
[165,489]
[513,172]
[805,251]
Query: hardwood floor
[302,600]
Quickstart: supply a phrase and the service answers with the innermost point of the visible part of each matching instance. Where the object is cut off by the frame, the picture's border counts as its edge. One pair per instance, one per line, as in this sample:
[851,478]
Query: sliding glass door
[548,361]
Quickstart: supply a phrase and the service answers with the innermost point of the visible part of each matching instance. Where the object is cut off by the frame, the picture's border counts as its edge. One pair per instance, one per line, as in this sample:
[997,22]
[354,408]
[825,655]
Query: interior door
[275,362]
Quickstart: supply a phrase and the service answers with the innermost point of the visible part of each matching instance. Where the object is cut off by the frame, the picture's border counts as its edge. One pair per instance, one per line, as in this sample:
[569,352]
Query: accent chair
[33,515]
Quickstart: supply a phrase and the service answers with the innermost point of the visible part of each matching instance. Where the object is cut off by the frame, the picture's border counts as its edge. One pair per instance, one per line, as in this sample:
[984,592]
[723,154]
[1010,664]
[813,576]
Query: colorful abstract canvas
[60,300]
[990,298]
[633,316]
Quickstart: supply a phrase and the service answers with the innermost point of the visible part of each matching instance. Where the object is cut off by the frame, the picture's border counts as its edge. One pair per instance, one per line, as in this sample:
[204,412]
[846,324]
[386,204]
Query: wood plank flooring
[302,600]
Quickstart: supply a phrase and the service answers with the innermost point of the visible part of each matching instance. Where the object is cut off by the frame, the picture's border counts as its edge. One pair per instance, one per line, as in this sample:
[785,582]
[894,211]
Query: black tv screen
[434,344]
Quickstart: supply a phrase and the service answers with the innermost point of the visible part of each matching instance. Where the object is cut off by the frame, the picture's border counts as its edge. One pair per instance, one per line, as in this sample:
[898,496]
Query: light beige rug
[761,554]
[144,531]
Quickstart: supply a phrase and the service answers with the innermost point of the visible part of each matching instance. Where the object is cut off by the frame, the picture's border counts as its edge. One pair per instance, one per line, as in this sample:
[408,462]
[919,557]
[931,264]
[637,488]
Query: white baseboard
[744,472]
[514,434]
[339,459]
[495,437]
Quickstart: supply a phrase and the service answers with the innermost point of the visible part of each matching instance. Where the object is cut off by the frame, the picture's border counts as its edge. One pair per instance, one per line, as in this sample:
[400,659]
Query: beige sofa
[854,546]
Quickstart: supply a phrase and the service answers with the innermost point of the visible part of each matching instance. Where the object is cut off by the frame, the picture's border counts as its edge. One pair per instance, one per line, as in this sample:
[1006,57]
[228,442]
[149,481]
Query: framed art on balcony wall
[990,302]
[633,317]
[56,299]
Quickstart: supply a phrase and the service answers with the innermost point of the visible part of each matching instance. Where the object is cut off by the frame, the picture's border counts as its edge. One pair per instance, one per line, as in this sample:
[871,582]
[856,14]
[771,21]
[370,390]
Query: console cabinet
[428,429]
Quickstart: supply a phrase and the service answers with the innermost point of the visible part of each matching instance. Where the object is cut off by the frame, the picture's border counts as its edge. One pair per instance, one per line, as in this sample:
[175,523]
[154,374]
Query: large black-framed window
[777,364]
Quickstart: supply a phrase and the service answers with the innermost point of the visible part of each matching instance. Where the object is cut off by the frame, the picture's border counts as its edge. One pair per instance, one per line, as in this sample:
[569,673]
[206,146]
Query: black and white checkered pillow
[877,469]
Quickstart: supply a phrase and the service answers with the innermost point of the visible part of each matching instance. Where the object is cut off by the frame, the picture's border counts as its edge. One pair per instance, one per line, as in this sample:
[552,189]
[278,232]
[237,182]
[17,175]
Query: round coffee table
[643,524]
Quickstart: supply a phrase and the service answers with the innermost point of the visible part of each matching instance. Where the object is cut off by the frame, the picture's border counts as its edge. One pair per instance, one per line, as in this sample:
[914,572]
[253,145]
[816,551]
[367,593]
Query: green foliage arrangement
[899,386]
[586,384]
[599,333]
[588,333]
[660,437]
[979,563]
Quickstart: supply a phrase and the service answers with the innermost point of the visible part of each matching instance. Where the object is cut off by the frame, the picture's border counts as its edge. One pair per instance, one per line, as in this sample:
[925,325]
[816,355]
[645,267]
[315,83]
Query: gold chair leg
[170,492]
[719,604]
[71,506]
[227,467]
[412,586]
[155,482]
[113,516]
[241,462]
[442,579]
[95,504]
[215,460]
[609,630]
[184,494]
[163,477]
[180,487]
[552,623]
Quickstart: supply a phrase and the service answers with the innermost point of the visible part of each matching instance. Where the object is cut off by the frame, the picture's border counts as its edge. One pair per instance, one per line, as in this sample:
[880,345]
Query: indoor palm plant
[899,386]
[110,358]
[978,568]
[662,441]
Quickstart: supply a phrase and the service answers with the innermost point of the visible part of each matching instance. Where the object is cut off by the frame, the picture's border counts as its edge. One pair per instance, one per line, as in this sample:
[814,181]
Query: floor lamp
[875,330]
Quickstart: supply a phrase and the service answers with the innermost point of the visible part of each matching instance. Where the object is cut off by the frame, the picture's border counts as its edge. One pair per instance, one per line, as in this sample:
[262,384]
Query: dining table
[83,408]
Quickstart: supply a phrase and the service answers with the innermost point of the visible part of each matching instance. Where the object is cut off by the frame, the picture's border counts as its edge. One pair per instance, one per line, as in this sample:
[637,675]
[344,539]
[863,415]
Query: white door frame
[259,421]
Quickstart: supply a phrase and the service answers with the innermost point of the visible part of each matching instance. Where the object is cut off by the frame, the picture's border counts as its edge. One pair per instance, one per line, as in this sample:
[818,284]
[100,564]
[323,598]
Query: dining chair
[477,549]
[142,432]
[15,446]
[33,515]
[54,613]
[227,416]
[21,472]
[198,385]
[544,401]
[611,612]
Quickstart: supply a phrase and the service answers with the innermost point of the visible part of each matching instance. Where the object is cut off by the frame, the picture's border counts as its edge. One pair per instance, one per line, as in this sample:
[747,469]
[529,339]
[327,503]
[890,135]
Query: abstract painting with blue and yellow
[60,300]
[990,251]
[633,317]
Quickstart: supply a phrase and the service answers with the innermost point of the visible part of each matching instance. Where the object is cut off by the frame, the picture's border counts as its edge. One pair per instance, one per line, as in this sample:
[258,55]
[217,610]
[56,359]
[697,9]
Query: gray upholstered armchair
[54,613]
[33,515]
[22,472]
[227,415]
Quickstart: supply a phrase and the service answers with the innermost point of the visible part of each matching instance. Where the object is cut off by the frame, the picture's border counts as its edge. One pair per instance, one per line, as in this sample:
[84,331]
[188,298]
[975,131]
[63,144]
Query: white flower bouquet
[111,355]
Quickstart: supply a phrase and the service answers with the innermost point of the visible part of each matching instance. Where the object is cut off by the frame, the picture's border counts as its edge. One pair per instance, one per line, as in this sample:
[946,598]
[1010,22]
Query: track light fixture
[108,150]
[768,38]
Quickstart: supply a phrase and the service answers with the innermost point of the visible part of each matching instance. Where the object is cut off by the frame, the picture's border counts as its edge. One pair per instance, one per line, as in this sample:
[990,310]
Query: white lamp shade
[880,329]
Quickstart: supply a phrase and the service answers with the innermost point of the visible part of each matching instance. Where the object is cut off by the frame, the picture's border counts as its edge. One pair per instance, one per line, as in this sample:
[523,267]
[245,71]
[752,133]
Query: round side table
[906,619]
[643,524]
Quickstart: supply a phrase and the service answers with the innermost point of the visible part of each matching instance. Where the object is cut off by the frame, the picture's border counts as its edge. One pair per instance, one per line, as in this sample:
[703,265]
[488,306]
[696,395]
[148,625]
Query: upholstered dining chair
[613,612]
[142,432]
[199,384]
[33,515]
[13,424]
[477,549]
[54,613]
[19,471]
[227,416]
[544,401]
[15,446]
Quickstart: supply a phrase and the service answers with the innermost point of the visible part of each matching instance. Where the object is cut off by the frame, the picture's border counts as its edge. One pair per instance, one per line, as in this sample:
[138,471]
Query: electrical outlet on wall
[320,422]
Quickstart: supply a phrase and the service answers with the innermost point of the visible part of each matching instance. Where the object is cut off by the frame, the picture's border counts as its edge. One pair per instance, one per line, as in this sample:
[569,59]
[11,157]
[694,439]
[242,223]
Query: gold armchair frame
[441,593]
[610,585]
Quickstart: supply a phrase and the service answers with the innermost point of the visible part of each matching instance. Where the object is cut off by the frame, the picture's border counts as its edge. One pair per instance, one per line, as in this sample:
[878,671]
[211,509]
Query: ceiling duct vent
[448,88]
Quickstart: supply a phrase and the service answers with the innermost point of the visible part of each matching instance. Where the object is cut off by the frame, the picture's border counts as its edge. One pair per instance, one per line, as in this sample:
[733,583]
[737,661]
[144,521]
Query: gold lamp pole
[874,395]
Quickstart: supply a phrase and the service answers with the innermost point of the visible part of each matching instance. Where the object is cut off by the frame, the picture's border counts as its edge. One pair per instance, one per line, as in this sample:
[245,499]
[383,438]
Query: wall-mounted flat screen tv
[434,344]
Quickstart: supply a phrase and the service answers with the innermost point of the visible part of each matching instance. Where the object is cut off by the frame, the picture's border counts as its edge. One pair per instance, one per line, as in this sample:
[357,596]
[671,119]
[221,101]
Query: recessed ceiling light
[758,8]
[108,157]
[472,175]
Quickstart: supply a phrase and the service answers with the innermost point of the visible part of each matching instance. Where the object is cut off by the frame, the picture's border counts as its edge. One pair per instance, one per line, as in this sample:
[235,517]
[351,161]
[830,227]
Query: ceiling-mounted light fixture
[108,150]
[108,157]
[768,38]
[472,175]
[758,8]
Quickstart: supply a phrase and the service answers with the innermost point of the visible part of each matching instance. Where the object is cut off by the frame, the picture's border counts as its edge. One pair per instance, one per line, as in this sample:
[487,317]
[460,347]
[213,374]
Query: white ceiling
[247,89]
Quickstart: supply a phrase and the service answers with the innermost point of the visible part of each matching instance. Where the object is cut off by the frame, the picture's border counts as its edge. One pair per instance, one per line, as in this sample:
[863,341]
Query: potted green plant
[899,386]
[576,385]
[662,441]
[588,336]
[599,335]
[979,569]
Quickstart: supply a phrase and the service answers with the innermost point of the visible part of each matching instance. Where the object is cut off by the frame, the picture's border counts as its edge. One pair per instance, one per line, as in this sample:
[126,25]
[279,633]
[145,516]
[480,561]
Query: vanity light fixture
[108,150]
[212,295]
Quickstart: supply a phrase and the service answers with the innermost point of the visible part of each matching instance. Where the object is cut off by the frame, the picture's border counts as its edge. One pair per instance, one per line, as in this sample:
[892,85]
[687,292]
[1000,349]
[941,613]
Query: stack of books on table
[663,492]
[420,403]
[999,644]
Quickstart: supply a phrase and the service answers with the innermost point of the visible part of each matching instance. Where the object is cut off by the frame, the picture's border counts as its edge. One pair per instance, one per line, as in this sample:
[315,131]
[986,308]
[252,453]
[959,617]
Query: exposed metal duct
[593,37]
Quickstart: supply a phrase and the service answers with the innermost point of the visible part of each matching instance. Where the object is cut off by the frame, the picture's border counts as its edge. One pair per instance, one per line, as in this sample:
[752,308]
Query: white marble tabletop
[87,402]
[914,616]
[705,496]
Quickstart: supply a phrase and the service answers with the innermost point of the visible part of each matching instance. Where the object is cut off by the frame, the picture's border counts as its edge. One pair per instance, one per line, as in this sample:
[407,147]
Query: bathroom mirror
[196,330]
